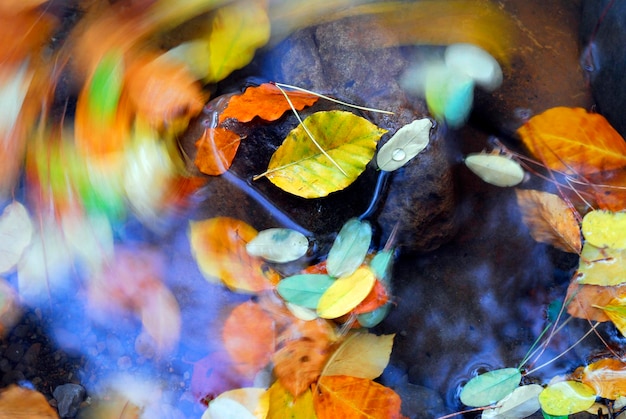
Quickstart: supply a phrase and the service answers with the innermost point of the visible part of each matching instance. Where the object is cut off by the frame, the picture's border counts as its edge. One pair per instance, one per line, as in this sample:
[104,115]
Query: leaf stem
[279,85]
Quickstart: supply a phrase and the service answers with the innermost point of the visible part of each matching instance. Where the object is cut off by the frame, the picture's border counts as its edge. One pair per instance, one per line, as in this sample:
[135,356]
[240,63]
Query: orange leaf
[18,402]
[607,377]
[550,219]
[572,140]
[376,298]
[340,396]
[219,246]
[216,150]
[609,189]
[583,297]
[249,338]
[265,101]
[318,268]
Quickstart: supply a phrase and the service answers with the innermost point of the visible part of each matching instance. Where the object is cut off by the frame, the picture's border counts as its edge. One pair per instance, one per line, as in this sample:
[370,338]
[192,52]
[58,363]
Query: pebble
[69,397]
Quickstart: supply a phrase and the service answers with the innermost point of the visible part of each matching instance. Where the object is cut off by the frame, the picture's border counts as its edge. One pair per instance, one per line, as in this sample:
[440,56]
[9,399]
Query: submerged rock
[69,397]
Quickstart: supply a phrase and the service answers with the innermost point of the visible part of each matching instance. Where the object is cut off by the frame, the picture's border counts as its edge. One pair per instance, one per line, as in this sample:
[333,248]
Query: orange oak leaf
[340,396]
[265,101]
[216,150]
[376,298]
[574,141]
[550,219]
[219,246]
[249,338]
[607,377]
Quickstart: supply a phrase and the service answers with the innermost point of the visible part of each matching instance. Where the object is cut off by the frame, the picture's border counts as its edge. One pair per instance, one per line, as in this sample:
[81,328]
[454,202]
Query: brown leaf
[265,101]
[17,402]
[609,189]
[550,219]
[582,298]
[572,140]
[340,396]
[216,150]
[249,338]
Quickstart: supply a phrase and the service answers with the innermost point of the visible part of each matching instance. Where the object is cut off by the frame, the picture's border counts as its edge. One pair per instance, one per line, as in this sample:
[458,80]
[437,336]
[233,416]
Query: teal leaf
[381,266]
[349,248]
[304,290]
[373,318]
[490,387]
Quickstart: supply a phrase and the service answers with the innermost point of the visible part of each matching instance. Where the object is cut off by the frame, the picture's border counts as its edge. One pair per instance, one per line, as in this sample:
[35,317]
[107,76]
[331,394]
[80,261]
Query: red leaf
[376,298]
[216,150]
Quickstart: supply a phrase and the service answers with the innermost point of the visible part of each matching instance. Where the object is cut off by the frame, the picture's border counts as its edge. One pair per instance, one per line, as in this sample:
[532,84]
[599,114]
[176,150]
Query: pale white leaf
[225,408]
[475,63]
[522,402]
[278,245]
[495,169]
[405,144]
[300,312]
[16,232]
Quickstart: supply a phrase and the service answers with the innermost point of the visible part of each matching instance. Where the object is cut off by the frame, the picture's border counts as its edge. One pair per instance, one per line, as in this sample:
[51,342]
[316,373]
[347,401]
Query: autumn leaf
[219,246]
[374,300]
[616,311]
[305,289]
[489,387]
[605,229]
[354,398]
[283,405]
[346,145]
[601,266]
[583,301]
[279,245]
[346,293]
[574,141]
[495,169]
[363,355]
[607,377]
[349,248]
[406,143]
[18,402]
[10,310]
[249,400]
[566,398]
[216,150]
[608,188]
[299,361]
[549,219]
[249,338]
[16,231]
[521,403]
[265,101]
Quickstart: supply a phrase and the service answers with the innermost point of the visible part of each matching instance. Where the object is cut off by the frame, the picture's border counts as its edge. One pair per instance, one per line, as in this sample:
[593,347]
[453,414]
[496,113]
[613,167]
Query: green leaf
[490,387]
[349,248]
[405,144]
[373,318]
[346,293]
[521,403]
[566,398]
[106,87]
[547,416]
[299,166]
[495,169]
[278,245]
[381,265]
[304,290]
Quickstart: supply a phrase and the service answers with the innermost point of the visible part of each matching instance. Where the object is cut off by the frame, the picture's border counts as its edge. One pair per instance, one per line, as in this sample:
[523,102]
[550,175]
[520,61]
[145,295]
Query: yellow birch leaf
[604,267]
[299,166]
[282,405]
[607,377]
[573,140]
[363,355]
[566,398]
[605,229]
[549,219]
[346,293]
[615,310]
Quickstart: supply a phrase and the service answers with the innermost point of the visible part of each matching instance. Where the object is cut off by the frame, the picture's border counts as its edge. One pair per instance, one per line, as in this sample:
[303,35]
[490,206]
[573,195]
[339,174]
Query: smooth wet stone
[69,397]
[603,59]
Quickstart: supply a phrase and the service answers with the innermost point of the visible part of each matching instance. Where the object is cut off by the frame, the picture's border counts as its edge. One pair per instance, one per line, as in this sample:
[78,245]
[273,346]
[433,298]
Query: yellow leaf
[363,355]
[566,398]
[346,293]
[549,219]
[282,405]
[607,377]
[574,141]
[237,31]
[605,229]
[347,143]
[219,246]
[616,311]
[601,266]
